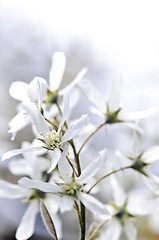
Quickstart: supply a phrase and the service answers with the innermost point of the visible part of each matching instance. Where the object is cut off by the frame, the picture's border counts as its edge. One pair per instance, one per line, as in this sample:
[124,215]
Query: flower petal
[43,186]
[65,112]
[94,166]
[37,90]
[37,118]
[93,95]
[75,128]
[151,154]
[15,152]
[93,205]
[55,158]
[20,167]
[77,79]
[115,95]
[9,190]
[64,167]
[27,224]
[113,230]
[57,70]
[18,90]
[130,230]
[130,116]
[18,122]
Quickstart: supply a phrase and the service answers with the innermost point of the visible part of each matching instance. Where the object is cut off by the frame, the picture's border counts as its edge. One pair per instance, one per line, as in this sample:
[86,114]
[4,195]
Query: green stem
[96,130]
[115,171]
[81,214]
[96,230]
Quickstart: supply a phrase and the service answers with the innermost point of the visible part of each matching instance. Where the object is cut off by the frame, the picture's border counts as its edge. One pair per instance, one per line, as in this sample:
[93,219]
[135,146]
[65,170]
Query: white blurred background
[111,38]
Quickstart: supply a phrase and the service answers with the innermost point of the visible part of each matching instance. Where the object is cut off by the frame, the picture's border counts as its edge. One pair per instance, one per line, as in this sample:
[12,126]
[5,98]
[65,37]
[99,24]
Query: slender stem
[76,206]
[96,130]
[115,171]
[83,215]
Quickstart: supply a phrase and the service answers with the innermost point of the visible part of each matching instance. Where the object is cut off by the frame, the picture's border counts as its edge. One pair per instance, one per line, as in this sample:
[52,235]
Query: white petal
[57,70]
[9,190]
[113,230]
[130,230]
[43,186]
[65,111]
[37,90]
[94,166]
[55,158]
[75,128]
[77,79]
[115,95]
[133,126]
[15,152]
[64,167]
[20,167]
[51,204]
[65,203]
[27,224]
[93,95]
[37,118]
[18,122]
[129,116]
[18,90]
[119,195]
[52,207]
[93,205]
[151,154]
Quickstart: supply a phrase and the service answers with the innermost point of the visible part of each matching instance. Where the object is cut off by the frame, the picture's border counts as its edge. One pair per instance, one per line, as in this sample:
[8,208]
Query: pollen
[52,140]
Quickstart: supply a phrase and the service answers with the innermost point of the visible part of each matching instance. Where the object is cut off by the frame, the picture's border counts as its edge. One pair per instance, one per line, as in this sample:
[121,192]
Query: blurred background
[111,38]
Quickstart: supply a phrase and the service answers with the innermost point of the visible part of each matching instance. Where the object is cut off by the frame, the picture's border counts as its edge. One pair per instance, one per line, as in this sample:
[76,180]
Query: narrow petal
[55,158]
[151,154]
[75,128]
[134,126]
[64,167]
[37,118]
[93,95]
[27,224]
[118,193]
[93,205]
[12,191]
[43,186]
[20,167]
[113,230]
[18,122]
[18,90]
[37,90]
[65,111]
[57,70]
[130,116]
[73,83]
[94,166]
[115,95]
[15,152]
[130,231]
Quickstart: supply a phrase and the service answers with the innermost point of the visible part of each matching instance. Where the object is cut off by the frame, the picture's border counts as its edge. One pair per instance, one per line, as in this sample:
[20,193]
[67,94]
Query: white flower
[71,187]
[124,209]
[50,138]
[141,161]
[56,77]
[34,92]
[38,91]
[111,110]
[26,227]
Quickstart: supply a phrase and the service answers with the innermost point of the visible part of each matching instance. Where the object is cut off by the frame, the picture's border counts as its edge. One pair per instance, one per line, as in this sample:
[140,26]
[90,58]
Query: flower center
[71,188]
[52,140]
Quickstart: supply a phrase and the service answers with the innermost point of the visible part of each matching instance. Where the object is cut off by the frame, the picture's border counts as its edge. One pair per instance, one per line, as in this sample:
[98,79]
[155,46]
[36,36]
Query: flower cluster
[52,176]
